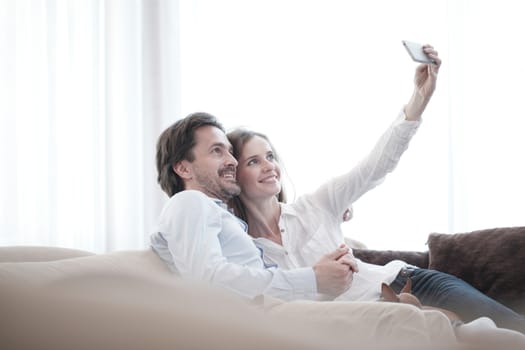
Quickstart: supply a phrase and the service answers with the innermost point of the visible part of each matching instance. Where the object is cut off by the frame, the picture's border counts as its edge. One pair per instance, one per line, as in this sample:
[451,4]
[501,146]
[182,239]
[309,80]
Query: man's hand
[333,272]
[349,260]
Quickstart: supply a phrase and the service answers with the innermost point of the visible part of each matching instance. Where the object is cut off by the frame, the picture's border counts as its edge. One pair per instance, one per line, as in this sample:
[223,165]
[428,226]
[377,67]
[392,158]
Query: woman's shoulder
[303,206]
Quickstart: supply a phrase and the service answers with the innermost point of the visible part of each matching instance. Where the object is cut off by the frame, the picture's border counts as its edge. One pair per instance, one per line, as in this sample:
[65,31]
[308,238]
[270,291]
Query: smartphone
[415,51]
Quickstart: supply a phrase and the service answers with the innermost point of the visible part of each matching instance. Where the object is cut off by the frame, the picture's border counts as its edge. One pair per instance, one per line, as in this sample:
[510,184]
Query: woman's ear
[183,169]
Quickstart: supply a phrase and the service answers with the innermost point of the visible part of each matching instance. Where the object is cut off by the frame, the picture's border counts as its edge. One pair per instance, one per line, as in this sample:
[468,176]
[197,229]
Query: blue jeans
[439,289]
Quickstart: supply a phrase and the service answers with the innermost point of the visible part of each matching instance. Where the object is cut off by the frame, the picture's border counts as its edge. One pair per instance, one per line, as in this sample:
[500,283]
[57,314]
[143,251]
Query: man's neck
[210,194]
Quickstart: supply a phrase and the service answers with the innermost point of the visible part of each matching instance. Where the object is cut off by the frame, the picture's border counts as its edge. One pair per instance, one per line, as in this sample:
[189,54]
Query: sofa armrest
[381,257]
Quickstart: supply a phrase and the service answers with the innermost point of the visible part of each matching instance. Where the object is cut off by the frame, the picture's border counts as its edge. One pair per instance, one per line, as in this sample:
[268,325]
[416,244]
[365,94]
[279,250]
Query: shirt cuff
[295,284]
[405,128]
[304,281]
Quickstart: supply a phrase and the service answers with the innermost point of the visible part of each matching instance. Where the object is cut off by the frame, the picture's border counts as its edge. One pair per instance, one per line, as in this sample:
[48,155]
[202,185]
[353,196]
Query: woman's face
[258,172]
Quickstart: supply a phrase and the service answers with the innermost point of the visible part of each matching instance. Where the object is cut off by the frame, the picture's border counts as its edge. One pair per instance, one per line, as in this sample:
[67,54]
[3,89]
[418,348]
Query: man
[200,239]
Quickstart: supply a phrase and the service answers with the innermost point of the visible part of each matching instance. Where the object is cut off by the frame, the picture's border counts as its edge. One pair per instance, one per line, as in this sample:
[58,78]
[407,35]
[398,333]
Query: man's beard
[234,188]
[229,191]
[214,186]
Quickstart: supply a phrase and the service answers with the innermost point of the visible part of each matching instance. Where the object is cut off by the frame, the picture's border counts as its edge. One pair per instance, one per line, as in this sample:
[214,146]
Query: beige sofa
[56,298]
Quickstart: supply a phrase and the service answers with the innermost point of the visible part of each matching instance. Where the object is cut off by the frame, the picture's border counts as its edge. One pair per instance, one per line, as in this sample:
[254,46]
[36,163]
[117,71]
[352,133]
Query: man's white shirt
[200,239]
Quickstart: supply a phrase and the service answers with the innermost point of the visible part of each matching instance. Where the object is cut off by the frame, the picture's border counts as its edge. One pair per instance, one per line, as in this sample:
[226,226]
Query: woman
[297,234]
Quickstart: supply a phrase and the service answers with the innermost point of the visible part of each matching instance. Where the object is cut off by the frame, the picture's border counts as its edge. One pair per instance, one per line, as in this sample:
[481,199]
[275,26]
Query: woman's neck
[263,219]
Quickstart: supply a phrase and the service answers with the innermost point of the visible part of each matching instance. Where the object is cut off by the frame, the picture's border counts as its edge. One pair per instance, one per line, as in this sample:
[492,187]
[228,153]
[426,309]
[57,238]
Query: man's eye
[217,150]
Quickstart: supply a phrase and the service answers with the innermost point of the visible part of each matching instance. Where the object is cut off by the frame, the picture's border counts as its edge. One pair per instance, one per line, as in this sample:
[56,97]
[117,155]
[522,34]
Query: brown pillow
[492,260]
[382,257]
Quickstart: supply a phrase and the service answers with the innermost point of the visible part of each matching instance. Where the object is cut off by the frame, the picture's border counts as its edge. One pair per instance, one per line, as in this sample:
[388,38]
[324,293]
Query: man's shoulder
[191,199]
[190,195]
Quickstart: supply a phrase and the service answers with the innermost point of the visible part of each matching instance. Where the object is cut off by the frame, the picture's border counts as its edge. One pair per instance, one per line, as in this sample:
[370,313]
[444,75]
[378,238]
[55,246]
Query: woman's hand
[424,85]
[426,74]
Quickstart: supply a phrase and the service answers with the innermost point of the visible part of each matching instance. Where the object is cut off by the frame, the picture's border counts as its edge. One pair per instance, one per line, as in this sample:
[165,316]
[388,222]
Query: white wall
[322,78]
[325,78]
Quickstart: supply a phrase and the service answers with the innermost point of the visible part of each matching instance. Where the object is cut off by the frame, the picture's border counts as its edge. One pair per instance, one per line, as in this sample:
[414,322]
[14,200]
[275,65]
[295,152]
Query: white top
[311,226]
[200,239]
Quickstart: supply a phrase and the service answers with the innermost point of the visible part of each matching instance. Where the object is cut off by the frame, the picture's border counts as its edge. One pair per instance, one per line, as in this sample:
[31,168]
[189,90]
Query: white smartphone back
[415,51]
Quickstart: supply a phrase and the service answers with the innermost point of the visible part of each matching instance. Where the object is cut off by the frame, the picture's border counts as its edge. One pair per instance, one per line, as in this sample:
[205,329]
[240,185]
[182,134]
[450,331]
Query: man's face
[213,171]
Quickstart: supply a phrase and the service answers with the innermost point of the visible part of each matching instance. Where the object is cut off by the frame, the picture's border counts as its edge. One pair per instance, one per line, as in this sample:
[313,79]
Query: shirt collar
[288,209]
[224,206]
[220,203]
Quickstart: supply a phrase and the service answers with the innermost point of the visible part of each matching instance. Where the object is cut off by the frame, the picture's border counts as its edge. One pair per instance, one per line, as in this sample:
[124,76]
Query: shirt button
[282,230]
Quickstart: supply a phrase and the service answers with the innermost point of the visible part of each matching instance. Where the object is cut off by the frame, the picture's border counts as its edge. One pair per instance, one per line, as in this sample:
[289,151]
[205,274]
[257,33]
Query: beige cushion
[38,253]
[125,300]
[130,300]
[105,311]
[140,262]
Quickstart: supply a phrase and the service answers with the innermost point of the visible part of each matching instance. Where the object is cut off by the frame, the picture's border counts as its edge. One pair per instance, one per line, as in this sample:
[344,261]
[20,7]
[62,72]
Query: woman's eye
[271,156]
[252,161]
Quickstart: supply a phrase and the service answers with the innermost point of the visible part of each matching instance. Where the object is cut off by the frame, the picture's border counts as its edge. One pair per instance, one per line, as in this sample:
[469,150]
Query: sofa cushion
[492,260]
[130,300]
[38,253]
[381,257]
[133,262]
[108,309]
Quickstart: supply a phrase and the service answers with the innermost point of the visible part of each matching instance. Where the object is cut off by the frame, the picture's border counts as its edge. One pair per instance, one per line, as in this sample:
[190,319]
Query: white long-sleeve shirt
[200,239]
[311,226]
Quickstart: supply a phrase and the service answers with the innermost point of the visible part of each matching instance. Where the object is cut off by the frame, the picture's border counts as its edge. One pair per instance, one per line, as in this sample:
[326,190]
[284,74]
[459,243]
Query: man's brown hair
[175,144]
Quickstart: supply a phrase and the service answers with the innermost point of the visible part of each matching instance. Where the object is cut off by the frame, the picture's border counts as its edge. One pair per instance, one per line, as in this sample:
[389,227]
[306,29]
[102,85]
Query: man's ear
[183,169]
